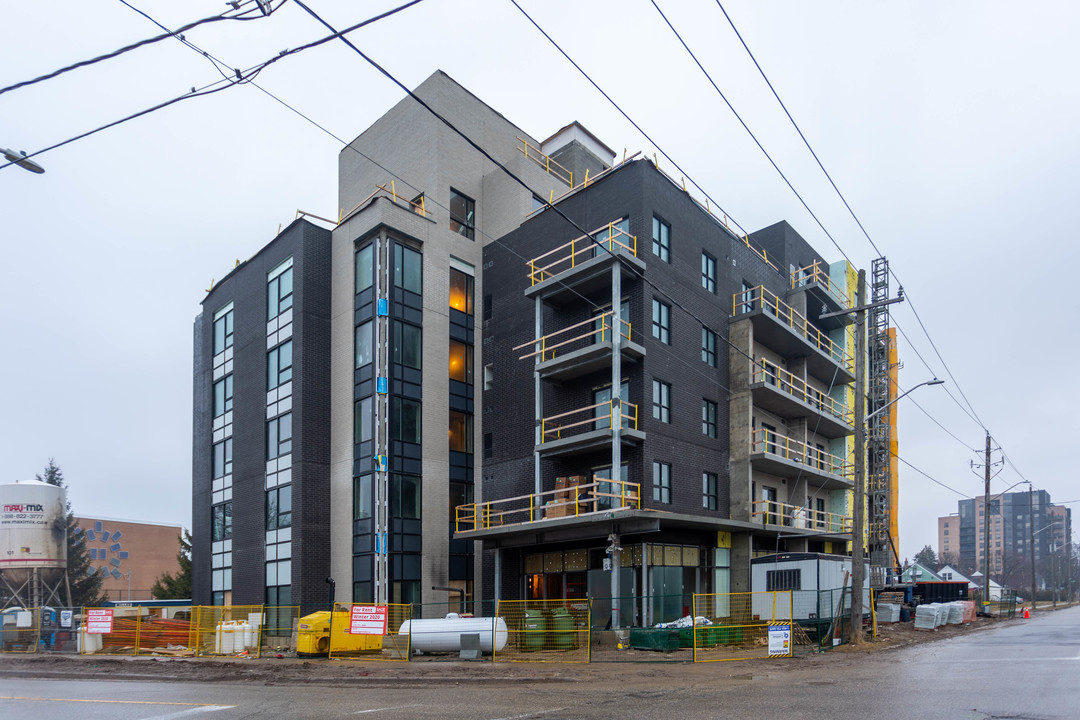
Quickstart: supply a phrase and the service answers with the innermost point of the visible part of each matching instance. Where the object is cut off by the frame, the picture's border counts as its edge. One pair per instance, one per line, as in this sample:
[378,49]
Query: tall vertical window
[408,269]
[489,445]
[661,321]
[363,344]
[461,361]
[461,432]
[279,436]
[461,291]
[746,297]
[279,365]
[363,420]
[661,239]
[362,500]
[279,508]
[488,306]
[223,397]
[405,420]
[405,496]
[365,267]
[661,478]
[661,401]
[462,214]
[223,329]
[223,458]
[279,287]
[710,494]
[708,418]
[708,272]
[221,522]
[708,346]
[407,344]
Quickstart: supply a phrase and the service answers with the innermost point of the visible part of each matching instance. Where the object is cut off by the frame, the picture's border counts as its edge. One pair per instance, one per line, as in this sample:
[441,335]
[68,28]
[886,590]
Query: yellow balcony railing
[773,443]
[772,512]
[597,329]
[568,255]
[751,299]
[599,496]
[593,417]
[797,388]
[537,156]
[816,273]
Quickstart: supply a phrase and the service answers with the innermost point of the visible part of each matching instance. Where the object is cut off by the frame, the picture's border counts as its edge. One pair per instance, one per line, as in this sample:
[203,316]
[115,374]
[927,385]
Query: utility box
[313,635]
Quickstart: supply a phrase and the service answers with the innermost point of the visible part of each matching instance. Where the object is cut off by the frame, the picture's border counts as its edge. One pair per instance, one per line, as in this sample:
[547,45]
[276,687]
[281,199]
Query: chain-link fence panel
[226,630]
[739,626]
[543,631]
[370,632]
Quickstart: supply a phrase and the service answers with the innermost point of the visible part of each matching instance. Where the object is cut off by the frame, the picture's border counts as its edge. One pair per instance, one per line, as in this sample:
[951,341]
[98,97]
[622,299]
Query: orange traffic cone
[1027,614]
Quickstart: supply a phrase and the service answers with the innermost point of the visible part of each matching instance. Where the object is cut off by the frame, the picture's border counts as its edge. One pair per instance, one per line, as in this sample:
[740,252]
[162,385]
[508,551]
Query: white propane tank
[217,639]
[444,634]
[250,635]
[227,638]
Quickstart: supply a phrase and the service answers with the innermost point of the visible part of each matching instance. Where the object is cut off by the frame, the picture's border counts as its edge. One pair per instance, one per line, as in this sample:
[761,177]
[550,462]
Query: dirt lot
[675,667]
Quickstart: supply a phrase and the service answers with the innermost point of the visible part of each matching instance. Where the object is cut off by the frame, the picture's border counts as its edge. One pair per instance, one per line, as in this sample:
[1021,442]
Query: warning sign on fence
[99,622]
[779,639]
[367,620]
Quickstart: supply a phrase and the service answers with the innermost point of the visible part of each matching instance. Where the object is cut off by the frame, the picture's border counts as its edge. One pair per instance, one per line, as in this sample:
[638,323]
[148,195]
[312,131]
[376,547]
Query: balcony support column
[616,418]
[538,396]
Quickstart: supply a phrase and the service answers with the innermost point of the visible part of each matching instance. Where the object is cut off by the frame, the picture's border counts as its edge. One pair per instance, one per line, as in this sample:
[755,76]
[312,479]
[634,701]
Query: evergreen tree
[85,582]
[927,558]
[178,586]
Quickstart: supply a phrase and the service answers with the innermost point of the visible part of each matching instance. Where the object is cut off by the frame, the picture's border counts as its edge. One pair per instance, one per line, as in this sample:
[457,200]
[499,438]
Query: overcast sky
[951,128]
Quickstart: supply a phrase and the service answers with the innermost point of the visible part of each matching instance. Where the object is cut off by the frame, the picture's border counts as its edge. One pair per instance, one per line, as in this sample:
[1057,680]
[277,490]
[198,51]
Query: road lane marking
[116,702]
[192,711]
[393,707]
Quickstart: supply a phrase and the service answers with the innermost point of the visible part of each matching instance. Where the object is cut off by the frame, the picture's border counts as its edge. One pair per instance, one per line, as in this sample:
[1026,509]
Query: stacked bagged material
[888,612]
[927,616]
[956,613]
[969,610]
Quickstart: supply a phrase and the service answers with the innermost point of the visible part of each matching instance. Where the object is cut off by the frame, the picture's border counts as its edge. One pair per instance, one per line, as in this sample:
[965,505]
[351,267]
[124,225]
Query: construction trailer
[808,575]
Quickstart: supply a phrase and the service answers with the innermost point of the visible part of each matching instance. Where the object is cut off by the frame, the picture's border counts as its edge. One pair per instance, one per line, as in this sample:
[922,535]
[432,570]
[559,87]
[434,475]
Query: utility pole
[857,569]
[1031,544]
[986,532]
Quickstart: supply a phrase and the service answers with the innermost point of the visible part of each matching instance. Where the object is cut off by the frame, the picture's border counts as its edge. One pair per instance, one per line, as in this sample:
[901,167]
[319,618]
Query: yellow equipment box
[313,636]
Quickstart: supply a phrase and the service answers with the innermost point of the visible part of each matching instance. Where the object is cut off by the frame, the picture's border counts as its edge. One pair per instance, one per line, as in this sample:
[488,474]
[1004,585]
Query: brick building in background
[130,555]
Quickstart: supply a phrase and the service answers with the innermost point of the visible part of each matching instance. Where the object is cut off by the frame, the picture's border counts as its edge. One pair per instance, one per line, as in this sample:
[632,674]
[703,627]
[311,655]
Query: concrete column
[741,408]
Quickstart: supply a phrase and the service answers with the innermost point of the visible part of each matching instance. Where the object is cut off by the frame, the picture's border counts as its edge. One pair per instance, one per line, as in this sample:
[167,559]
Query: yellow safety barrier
[740,626]
[545,631]
[20,631]
[227,630]
[369,632]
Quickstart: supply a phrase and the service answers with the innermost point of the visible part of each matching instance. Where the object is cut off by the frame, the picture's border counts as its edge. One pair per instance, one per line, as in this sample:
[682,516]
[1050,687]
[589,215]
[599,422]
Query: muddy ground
[632,665]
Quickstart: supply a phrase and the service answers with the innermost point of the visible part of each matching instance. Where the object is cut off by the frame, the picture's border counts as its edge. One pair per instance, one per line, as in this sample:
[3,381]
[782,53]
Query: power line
[133,46]
[751,133]
[241,78]
[930,477]
[628,118]
[974,414]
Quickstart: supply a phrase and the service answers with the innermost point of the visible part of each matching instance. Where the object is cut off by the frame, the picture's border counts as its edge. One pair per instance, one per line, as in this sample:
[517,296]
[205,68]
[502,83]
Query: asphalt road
[1019,670]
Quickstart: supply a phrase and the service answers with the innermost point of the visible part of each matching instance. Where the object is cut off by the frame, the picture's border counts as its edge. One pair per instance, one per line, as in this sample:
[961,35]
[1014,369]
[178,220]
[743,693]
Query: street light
[1034,588]
[19,158]
[887,405]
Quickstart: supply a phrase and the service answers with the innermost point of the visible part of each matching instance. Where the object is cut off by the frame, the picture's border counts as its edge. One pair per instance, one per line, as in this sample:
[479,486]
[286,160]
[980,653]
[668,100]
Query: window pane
[405,496]
[462,212]
[362,497]
[461,291]
[405,422]
[363,344]
[407,344]
[363,420]
[365,267]
[408,269]
[460,362]
[461,432]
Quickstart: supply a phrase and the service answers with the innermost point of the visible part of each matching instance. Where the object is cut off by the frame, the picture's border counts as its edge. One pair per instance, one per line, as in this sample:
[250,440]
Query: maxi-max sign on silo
[23,514]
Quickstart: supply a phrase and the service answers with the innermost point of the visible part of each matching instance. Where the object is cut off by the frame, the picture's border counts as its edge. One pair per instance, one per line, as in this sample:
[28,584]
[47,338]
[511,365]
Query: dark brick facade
[246,287]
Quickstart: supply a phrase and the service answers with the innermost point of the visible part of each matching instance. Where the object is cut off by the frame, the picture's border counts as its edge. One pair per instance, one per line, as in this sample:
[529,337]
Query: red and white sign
[99,622]
[367,620]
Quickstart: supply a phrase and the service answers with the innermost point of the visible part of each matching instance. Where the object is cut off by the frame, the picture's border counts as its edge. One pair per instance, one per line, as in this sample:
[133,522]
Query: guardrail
[568,255]
[599,496]
[773,443]
[800,390]
[773,512]
[813,273]
[600,331]
[552,430]
[748,300]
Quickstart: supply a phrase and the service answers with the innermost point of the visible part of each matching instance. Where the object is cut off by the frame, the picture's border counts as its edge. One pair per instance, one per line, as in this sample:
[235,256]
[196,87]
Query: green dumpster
[534,630]
[662,639]
[562,623]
